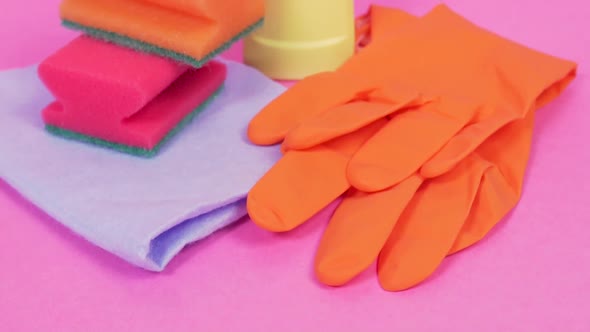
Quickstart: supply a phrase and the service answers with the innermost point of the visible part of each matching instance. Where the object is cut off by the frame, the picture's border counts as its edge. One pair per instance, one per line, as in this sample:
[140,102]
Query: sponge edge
[86,70]
[118,97]
[136,151]
[190,32]
[158,50]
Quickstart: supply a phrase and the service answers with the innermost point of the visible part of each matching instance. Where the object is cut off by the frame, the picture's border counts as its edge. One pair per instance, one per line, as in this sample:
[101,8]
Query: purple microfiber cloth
[142,210]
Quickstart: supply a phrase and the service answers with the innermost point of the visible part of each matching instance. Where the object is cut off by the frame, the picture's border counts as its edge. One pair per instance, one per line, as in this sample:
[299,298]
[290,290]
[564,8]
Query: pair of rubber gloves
[426,133]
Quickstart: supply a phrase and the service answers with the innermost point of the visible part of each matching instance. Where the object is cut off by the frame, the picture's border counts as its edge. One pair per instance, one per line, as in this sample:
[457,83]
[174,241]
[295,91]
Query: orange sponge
[192,32]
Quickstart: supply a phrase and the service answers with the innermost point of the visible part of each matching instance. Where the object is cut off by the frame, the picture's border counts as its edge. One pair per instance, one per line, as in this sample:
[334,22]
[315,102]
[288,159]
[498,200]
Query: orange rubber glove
[474,82]
[445,214]
[411,226]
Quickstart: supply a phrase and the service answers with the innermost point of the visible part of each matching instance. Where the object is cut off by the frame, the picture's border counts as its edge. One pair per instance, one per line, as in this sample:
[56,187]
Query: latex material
[476,80]
[413,225]
[142,210]
[194,29]
[379,22]
[454,211]
[121,96]
[302,37]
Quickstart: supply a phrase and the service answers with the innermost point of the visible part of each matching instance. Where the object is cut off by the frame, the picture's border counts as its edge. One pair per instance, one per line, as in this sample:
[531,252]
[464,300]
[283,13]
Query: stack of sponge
[142,69]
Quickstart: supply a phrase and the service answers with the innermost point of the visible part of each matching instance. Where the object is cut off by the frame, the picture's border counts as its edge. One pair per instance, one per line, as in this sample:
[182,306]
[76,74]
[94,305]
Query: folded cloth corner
[142,210]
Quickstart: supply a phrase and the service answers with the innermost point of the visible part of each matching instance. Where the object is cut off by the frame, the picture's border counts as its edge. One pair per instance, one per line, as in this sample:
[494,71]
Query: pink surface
[531,274]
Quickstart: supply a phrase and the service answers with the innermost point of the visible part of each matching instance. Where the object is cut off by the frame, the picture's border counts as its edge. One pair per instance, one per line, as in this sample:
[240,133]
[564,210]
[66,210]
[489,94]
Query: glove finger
[302,183]
[508,150]
[409,140]
[464,143]
[494,200]
[338,121]
[306,99]
[358,230]
[345,119]
[298,186]
[429,226]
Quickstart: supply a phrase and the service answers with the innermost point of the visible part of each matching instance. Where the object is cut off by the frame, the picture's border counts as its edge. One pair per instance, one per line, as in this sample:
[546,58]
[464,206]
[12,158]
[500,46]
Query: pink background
[531,274]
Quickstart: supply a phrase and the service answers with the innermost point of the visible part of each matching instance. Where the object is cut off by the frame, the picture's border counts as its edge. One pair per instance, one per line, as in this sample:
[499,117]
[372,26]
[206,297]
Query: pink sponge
[123,99]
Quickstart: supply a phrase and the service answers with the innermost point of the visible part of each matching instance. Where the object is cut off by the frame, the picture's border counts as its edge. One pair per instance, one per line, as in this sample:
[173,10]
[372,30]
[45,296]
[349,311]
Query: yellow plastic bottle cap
[302,37]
